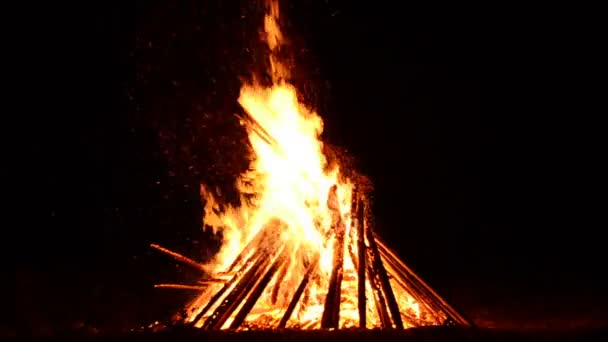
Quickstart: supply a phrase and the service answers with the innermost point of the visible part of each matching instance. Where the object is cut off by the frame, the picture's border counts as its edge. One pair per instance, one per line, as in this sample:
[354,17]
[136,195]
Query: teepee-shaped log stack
[387,293]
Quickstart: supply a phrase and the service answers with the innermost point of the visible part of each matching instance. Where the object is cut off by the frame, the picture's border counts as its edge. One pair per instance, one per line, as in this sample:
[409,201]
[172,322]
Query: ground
[427,334]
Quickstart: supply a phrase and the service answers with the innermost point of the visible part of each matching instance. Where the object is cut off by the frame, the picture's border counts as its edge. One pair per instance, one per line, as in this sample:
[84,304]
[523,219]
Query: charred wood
[180,287]
[331,311]
[361,265]
[235,297]
[312,268]
[379,301]
[283,268]
[254,243]
[258,254]
[259,288]
[432,295]
[386,286]
[179,257]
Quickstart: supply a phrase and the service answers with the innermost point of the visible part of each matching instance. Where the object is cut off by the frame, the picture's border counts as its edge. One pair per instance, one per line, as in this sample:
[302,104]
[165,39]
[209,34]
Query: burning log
[234,298]
[254,243]
[242,288]
[259,288]
[409,282]
[179,257]
[258,128]
[414,292]
[180,287]
[267,229]
[379,298]
[225,288]
[299,290]
[386,286]
[331,312]
[277,286]
[352,231]
[312,268]
[412,288]
[350,246]
[213,280]
[361,265]
[423,287]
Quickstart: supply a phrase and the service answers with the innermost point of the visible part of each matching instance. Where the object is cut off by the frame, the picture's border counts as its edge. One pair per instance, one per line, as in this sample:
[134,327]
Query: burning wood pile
[300,251]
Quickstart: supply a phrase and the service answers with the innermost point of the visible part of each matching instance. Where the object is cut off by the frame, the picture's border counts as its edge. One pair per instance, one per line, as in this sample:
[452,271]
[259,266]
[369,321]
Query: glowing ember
[290,257]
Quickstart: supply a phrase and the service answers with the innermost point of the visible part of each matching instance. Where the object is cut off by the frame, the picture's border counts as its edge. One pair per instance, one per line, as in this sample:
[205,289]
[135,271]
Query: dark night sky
[463,119]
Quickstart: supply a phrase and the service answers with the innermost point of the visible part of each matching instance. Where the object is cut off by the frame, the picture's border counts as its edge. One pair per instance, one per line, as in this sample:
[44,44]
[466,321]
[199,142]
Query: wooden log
[179,257]
[299,290]
[351,252]
[212,280]
[444,305]
[350,242]
[263,255]
[331,310]
[417,288]
[379,300]
[412,290]
[283,268]
[238,293]
[361,265]
[353,225]
[256,256]
[254,243]
[180,287]
[259,288]
[382,276]
[312,268]
[258,128]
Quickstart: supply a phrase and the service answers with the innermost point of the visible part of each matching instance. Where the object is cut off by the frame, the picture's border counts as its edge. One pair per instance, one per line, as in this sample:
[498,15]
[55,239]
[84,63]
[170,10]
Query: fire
[292,251]
[292,181]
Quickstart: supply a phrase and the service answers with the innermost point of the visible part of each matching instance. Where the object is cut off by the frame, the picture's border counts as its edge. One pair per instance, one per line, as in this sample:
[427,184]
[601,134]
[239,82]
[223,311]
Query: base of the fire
[377,291]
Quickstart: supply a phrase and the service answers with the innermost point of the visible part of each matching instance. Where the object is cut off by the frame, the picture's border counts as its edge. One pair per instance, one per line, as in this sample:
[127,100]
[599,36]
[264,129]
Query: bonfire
[302,253]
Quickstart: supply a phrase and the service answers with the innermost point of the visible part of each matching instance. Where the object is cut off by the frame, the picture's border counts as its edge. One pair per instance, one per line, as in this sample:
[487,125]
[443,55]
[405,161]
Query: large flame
[299,198]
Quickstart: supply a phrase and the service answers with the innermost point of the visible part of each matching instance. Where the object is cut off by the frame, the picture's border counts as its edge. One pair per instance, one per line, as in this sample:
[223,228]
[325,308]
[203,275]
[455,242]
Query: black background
[469,121]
